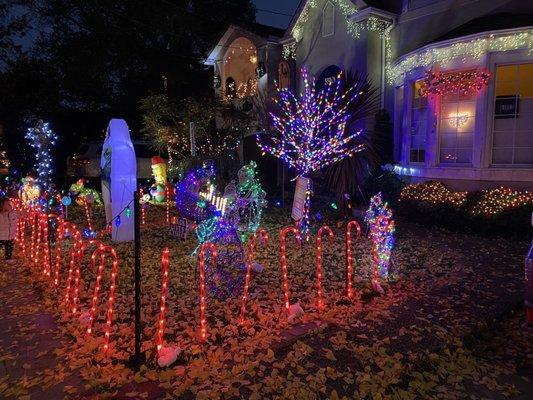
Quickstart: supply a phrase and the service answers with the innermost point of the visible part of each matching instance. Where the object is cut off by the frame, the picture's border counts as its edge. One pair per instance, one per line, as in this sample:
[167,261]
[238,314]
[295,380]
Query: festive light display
[81,193]
[65,229]
[289,51]
[73,263]
[349,260]
[495,201]
[167,203]
[283,235]
[144,205]
[30,191]
[249,265]
[159,171]
[87,207]
[381,227]
[41,139]
[80,254]
[442,83]
[162,306]
[469,48]
[213,250]
[323,229]
[101,251]
[434,193]
[312,128]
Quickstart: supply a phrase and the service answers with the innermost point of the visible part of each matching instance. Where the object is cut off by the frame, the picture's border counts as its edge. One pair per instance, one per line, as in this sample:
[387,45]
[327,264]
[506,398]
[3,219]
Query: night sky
[278,6]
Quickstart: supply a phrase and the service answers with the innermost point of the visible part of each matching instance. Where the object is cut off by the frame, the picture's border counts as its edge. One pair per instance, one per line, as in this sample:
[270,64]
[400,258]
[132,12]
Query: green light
[128,212]
[201,203]
[334,206]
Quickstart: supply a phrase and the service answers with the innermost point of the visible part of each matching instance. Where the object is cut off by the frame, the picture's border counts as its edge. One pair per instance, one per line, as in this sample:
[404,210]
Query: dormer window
[328,19]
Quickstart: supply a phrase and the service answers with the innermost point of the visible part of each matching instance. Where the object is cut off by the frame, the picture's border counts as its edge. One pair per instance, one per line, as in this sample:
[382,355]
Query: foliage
[491,211]
[389,183]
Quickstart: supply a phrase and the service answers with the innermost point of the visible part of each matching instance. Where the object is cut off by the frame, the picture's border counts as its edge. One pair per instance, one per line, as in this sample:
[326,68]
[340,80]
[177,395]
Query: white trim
[330,4]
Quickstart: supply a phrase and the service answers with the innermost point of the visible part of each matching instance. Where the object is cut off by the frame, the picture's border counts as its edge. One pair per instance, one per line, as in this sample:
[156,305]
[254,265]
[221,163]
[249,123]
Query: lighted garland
[434,193]
[495,201]
[439,83]
[42,138]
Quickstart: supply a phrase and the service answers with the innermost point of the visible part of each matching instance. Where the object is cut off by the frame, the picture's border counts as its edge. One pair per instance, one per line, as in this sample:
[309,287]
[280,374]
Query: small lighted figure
[159,170]
[30,190]
[458,120]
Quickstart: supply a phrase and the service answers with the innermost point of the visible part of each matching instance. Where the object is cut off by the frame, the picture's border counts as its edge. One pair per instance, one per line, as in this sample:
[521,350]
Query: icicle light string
[283,235]
[249,265]
[323,229]
[349,260]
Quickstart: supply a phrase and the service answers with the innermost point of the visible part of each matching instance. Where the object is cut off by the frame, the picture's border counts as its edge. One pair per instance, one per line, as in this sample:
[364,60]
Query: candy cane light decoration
[382,242]
[86,206]
[162,307]
[249,265]
[101,251]
[351,225]
[82,247]
[213,249]
[323,229]
[167,202]
[283,234]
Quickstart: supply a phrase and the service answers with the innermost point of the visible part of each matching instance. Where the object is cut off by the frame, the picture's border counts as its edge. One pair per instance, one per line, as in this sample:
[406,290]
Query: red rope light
[82,247]
[74,256]
[162,307]
[87,208]
[203,322]
[321,231]
[283,234]
[249,264]
[349,261]
[101,251]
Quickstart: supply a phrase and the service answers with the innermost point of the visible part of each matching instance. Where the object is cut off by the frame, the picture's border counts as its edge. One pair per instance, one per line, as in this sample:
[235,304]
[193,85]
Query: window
[328,20]
[512,137]
[456,127]
[418,128]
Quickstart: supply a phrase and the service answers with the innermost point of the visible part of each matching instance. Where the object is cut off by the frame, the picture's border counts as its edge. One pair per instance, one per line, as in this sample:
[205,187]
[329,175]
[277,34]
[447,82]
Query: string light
[349,227]
[249,265]
[167,203]
[102,251]
[432,192]
[143,208]
[87,208]
[283,234]
[41,139]
[495,201]
[469,48]
[74,258]
[213,250]
[323,229]
[162,307]
[382,241]
[81,248]
[441,83]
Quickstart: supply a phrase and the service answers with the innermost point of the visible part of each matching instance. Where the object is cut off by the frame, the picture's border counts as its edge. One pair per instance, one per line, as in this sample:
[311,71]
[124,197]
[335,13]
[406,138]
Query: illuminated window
[419,119]
[328,19]
[456,127]
[512,137]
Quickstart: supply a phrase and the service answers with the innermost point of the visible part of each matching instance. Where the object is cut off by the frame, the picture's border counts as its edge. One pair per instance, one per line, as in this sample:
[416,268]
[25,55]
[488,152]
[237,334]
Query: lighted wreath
[439,83]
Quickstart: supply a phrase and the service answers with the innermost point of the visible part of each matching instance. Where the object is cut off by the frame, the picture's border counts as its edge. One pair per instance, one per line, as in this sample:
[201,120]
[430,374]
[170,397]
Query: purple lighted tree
[312,129]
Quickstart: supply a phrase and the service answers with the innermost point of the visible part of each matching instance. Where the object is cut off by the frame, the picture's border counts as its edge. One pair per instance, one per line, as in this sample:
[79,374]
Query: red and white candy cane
[323,229]
[74,258]
[213,249]
[87,208]
[249,264]
[80,255]
[283,234]
[47,262]
[102,251]
[349,270]
[162,307]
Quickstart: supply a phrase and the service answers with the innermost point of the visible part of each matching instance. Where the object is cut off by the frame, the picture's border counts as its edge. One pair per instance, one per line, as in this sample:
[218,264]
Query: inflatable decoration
[159,170]
[83,194]
[119,179]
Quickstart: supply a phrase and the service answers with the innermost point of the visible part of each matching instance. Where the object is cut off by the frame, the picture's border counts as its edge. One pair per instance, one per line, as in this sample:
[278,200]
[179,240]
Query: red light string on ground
[323,229]
[87,208]
[283,234]
[37,244]
[21,235]
[349,266]
[203,322]
[249,265]
[101,251]
[162,306]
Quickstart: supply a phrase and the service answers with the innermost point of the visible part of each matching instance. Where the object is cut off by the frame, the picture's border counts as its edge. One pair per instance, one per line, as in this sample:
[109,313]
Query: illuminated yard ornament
[81,193]
[381,228]
[30,191]
[119,179]
[159,170]
[42,138]
[312,129]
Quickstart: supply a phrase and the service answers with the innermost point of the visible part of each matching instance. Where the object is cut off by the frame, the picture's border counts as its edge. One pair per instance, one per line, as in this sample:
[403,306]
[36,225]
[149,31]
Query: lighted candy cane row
[143,206]
[101,251]
[162,307]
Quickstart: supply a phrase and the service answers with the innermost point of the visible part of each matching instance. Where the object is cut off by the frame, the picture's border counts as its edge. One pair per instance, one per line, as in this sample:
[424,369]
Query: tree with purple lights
[312,129]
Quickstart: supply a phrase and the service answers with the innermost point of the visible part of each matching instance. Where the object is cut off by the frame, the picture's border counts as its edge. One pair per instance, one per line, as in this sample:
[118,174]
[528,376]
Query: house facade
[456,77]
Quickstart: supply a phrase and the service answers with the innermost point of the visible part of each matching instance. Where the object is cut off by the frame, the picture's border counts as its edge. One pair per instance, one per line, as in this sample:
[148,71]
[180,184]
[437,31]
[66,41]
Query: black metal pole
[138,357]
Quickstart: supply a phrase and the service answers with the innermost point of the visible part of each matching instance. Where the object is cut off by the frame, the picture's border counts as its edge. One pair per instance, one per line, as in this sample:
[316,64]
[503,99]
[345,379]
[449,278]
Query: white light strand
[463,50]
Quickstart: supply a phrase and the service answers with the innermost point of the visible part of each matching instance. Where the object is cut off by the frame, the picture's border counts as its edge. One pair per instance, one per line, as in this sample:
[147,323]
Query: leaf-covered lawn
[408,343]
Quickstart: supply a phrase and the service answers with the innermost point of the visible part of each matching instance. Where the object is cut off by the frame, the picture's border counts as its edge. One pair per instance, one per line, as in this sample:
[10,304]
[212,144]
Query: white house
[456,77]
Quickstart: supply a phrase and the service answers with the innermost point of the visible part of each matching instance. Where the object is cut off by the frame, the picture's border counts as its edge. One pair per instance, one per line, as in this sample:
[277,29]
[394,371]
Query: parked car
[85,162]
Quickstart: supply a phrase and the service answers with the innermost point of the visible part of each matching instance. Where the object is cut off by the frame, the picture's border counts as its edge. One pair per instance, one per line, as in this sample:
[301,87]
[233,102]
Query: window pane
[502,156]
[418,124]
[523,155]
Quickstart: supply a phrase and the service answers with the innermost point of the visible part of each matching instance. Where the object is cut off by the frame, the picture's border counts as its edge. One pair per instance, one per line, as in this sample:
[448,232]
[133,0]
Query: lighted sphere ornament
[159,170]
[66,201]
[312,129]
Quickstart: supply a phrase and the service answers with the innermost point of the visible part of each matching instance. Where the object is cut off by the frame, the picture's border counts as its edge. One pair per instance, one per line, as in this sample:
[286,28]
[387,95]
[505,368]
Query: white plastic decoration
[119,179]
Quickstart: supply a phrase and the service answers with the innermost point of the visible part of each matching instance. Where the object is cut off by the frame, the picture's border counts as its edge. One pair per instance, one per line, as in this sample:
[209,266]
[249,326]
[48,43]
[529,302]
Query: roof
[485,23]
[266,30]
[393,6]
